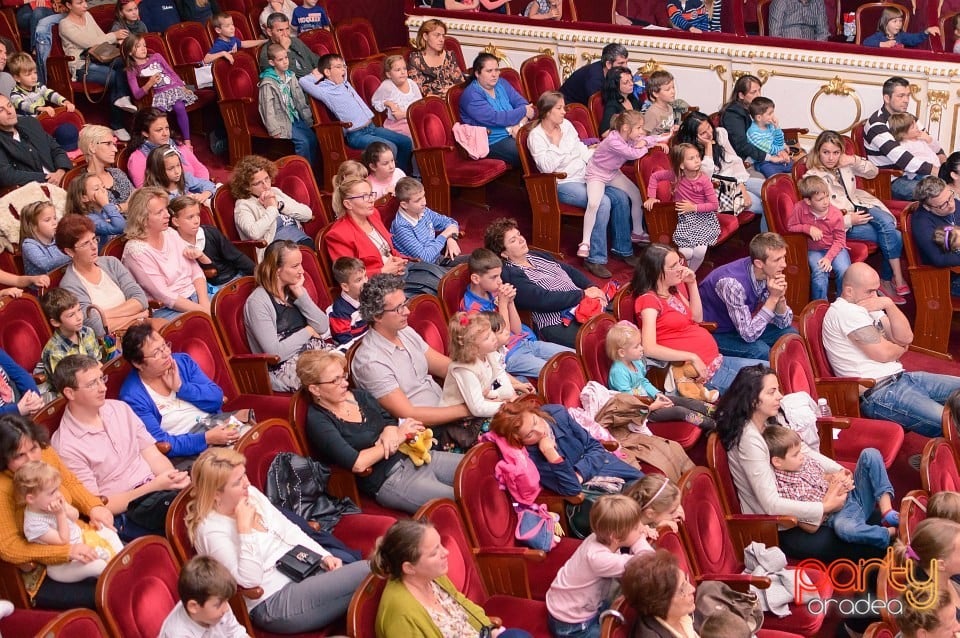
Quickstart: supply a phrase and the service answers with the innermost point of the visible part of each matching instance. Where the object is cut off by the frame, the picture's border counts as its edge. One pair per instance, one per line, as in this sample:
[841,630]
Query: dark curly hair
[738,403]
[374,292]
[493,236]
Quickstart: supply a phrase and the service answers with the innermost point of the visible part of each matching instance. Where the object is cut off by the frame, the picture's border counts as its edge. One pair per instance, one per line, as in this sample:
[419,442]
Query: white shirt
[179,625]
[106,294]
[846,359]
[570,156]
[176,415]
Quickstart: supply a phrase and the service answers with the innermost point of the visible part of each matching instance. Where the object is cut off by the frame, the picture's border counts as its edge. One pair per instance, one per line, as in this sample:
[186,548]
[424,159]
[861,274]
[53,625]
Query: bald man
[865,335]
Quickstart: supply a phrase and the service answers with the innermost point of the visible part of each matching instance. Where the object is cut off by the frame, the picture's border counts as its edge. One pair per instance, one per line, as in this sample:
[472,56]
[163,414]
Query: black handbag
[299,563]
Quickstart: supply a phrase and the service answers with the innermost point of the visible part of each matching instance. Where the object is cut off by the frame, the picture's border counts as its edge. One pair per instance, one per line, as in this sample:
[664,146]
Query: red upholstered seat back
[912,511]
[228,313]
[176,526]
[451,44]
[453,286]
[592,349]
[705,528]
[316,282]
[356,39]
[562,380]
[299,403]
[612,626]
[366,76]
[223,207]
[194,334]
[114,247]
[387,207]
[62,116]
[582,120]
[649,164]
[427,319]
[296,179]
[430,123]
[909,242]
[526,158]
[489,516]
[188,43]
[938,467]
[23,330]
[792,363]
[595,105]
[49,416]
[539,74]
[262,444]
[461,565]
[671,541]
[512,76]
[362,614]
[238,81]
[624,304]
[720,464]
[811,322]
[116,372]
[453,102]
[76,623]
[779,195]
[139,588]
[320,41]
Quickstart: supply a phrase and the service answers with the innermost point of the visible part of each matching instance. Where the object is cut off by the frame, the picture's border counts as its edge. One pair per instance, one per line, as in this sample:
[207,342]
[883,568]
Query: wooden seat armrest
[27,567]
[164,447]
[39,378]
[931,353]
[251,593]
[739,582]
[153,304]
[496,621]
[610,446]
[746,528]
[709,326]
[504,569]
[314,525]
[825,428]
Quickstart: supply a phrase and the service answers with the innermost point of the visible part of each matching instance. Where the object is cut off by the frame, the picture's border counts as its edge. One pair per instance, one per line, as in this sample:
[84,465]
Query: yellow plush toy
[418,448]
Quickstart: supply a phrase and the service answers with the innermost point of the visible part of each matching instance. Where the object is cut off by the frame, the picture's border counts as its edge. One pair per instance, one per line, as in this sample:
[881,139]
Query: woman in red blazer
[359,232]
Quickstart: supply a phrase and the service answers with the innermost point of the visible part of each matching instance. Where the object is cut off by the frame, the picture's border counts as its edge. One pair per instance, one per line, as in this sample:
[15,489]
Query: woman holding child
[749,407]
[348,428]
[100,150]
[234,523]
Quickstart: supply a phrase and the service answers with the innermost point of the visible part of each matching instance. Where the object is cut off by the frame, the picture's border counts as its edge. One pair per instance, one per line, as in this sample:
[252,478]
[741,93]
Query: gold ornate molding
[938,101]
[649,67]
[837,87]
[761,74]
[567,63]
[495,51]
[721,72]
[589,57]
[545,51]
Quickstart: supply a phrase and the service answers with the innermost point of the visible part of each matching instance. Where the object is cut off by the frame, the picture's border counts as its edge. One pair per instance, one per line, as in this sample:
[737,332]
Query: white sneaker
[6,608]
[121,134]
[126,104]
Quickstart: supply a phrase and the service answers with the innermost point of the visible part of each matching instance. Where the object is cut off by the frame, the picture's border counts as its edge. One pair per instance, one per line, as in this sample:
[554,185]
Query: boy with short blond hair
[205,588]
[29,96]
[817,218]
[227,42]
[421,232]
[526,355]
[70,336]
[802,475]
[765,133]
[346,324]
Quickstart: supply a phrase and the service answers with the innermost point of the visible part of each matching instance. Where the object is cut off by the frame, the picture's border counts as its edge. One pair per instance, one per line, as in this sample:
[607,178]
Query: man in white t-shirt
[865,335]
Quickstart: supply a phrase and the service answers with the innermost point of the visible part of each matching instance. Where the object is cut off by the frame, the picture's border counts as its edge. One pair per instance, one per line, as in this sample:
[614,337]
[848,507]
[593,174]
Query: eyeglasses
[96,382]
[334,381]
[84,245]
[367,197]
[398,309]
[945,204]
[160,352]
[107,143]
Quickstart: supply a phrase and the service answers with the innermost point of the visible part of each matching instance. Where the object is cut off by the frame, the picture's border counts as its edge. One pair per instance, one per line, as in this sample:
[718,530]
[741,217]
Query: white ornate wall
[818,91]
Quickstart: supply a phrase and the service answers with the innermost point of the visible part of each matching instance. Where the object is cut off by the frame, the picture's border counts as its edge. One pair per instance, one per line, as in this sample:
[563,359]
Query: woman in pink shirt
[163,264]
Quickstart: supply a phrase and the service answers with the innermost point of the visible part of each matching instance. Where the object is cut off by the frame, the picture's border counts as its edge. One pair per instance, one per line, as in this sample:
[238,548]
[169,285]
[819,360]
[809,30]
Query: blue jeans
[401,145]
[955,285]
[723,378]
[560,629]
[904,187]
[43,42]
[732,344]
[614,208]
[506,150]
[819,280]
[754,187]
[28,19]
[870,482]
[881,230]
[527,358]
[170,313]
[915,401]
[769,169]
[305,141]
[114,80]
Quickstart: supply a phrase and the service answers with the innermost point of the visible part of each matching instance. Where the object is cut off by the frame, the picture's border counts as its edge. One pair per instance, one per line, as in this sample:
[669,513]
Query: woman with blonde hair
[262,211]
[348,428]
[280,316]
[934,545]
[234,523]
[159,260]
[430,65]
[359,232]
[99,148]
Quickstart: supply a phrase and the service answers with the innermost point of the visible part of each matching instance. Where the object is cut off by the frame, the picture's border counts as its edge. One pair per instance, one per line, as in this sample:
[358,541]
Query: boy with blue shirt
[346,323]
[526,355]
[227,42]
[419,231]
[308,17]
[765,133]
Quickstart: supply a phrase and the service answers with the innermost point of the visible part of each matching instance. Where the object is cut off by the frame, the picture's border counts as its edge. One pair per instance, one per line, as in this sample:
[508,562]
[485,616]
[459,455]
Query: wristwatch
[280,206]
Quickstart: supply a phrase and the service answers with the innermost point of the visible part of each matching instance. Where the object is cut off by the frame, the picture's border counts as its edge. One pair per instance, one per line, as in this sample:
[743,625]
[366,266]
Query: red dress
[676,328]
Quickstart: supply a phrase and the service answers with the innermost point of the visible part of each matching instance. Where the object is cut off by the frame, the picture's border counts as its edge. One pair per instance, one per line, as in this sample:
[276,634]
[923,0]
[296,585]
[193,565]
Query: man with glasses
[27,152]
[394,363]
[110,451]
[172,396]
[938,209]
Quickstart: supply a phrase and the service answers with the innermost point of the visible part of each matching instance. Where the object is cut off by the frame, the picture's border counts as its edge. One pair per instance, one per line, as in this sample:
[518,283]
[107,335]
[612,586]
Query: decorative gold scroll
[837,86]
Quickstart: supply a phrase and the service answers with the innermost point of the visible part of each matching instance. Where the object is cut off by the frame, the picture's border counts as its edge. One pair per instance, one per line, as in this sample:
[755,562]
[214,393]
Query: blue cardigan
[21,380]
[903,38]
[195,388]
[477,108]
[581,454]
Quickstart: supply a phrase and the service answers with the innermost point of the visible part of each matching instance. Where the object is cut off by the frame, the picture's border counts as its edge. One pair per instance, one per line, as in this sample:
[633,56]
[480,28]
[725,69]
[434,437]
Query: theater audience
[588,79]
[280,317]
[221,260]
[395,94]
[233,522]
[303,61]
[492,103]
[890,33]
[735,117]
[430,65]
[349,429]
[27,152]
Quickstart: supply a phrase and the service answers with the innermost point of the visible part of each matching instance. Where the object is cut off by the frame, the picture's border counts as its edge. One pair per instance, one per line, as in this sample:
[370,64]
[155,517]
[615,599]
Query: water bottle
[850,26]
[823,408]
[639,85]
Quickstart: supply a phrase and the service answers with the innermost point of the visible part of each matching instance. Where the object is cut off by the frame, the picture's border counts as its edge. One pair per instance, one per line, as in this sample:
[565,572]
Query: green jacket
[400,615]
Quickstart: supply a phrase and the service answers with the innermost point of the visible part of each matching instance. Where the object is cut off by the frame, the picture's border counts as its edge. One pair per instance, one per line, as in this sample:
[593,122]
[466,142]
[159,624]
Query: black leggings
[55,595]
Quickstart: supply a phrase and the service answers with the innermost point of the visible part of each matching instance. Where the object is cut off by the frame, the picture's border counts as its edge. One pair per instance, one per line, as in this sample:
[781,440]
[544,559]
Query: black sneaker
[630,260]
[597,270]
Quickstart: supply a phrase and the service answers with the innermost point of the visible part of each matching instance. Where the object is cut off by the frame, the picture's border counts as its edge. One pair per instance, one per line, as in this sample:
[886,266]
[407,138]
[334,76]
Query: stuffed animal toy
[684,377]
[418,448]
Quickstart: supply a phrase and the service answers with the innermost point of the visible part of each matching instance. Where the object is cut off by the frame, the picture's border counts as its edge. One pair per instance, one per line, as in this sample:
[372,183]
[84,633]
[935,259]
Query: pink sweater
[699,190]
[834,234]
[611,154]
[165,274]
[137,164]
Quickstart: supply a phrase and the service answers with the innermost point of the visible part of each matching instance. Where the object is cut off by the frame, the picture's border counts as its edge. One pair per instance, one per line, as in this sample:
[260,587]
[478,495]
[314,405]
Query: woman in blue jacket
[18,391]
[171,394]
[493,103]
[564,453]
